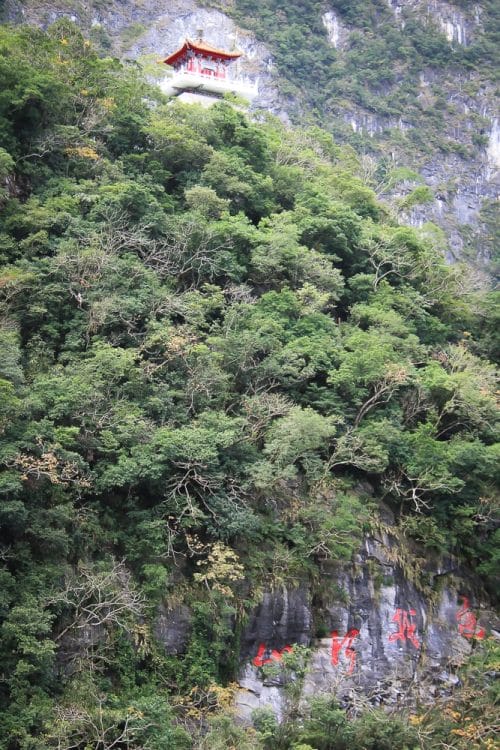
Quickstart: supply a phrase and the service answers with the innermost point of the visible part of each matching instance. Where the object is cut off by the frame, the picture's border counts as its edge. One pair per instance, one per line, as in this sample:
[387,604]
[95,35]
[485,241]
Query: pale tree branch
[97,598]
[415,489]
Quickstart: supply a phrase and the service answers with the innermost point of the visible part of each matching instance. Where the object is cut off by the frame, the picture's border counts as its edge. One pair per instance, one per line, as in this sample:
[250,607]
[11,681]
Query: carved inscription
[344,644]
[407,630]
[343,653]
[467,622]
[267,656]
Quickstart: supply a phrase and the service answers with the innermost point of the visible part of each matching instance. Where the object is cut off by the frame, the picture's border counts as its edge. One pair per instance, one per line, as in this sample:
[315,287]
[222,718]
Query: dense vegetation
[218,353]
[395,87]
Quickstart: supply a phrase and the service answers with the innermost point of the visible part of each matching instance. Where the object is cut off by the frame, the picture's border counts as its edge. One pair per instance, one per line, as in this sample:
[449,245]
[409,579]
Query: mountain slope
[410,84]
[248,431]
[415,81]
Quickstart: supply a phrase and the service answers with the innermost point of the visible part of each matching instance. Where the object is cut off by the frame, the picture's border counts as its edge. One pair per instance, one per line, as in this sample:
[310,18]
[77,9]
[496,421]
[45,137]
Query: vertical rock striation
[381,632]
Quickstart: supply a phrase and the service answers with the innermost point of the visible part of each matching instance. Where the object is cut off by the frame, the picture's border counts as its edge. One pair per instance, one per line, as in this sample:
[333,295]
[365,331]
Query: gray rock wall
[459,26]
[391,629]
[172,628]
[385,639]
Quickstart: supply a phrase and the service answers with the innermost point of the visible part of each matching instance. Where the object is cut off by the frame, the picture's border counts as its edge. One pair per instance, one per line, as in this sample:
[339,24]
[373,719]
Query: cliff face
[391,629]
[388,642]
[462,165]
[458,24]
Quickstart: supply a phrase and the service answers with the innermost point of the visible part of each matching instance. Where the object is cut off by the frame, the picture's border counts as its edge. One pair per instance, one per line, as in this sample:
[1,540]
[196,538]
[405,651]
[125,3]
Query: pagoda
[202,73]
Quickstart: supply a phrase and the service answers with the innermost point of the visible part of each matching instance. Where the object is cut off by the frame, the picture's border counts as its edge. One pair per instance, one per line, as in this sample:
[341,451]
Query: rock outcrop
[377,633]
[392,628]
[457,25]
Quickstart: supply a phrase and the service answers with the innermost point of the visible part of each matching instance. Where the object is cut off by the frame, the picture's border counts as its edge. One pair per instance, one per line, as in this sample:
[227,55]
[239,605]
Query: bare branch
[97,598]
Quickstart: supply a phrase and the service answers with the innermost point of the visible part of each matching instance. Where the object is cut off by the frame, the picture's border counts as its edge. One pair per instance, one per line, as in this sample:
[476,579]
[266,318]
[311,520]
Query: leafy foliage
[211,333]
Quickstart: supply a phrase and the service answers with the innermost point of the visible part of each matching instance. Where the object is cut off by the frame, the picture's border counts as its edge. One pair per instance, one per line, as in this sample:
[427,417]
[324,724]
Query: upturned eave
[201,48]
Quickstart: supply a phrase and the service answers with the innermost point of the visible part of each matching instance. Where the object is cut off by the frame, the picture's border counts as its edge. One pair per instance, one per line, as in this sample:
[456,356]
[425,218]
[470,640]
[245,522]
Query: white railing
[184,79]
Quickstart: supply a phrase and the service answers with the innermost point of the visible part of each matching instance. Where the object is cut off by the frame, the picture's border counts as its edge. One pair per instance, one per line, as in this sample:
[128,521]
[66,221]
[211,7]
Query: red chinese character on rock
[467,622]
[407,629]
[274,655]
[344,643]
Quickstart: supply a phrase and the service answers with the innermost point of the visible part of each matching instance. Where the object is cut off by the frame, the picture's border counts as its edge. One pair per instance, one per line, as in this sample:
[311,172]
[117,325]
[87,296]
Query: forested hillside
[408,82]
[411,84]
[220,356]
[380,54]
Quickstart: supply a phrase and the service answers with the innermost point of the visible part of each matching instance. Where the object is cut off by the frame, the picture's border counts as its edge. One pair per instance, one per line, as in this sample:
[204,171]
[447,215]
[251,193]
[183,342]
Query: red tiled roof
[203,48]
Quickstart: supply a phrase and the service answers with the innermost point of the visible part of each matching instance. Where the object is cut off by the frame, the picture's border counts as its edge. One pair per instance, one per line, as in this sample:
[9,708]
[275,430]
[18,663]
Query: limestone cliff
[386,639]
[392,628]
[463,165]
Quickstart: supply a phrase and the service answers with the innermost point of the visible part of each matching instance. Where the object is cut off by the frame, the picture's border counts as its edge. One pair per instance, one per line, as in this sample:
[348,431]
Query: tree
[98,598]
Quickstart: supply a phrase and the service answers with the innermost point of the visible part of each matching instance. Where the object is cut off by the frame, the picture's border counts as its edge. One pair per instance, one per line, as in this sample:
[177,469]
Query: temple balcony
[187,80]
